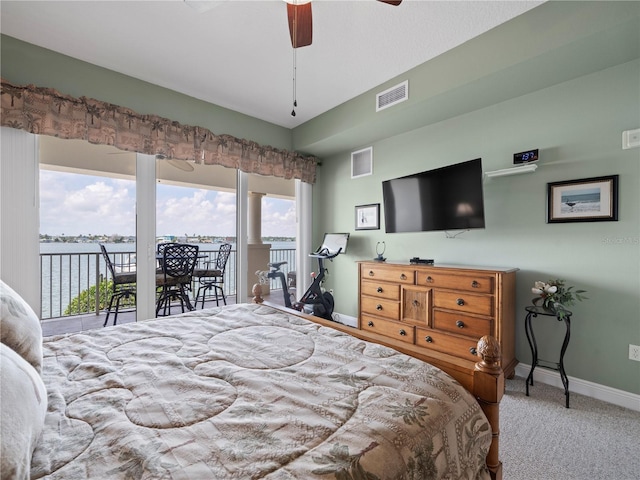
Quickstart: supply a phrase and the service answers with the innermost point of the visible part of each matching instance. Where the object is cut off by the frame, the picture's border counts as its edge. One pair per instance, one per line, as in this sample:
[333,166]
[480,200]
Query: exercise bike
[314,301]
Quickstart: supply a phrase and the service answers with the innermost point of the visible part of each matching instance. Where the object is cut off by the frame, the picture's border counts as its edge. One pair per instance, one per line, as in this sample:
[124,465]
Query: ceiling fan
[301,23]
[183,165]
[298,15]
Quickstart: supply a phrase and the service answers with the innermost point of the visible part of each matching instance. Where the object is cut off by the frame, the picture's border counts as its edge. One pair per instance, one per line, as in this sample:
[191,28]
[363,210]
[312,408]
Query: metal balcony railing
[65,277]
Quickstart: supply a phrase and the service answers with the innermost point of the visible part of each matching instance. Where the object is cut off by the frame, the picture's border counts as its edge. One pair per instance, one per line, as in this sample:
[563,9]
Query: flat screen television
[447,198]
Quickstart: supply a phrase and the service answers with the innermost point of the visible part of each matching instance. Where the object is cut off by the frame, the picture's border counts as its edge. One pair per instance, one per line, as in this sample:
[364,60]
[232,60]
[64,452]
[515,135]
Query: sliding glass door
[97,194]
[87,199]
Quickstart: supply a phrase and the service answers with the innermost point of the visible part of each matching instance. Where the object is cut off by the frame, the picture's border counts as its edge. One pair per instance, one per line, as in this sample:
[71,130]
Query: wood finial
[489,351]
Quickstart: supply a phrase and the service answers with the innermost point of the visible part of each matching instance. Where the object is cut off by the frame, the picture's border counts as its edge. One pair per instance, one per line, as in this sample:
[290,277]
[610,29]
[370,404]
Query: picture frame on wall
[585,200]
[368,217]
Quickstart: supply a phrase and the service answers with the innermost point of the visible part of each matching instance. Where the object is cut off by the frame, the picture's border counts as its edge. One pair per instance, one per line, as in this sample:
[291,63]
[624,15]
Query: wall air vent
[392,96]
[362,162]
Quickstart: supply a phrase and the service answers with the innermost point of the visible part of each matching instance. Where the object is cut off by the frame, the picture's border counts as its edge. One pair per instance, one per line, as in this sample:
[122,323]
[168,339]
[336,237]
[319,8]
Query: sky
[73,204]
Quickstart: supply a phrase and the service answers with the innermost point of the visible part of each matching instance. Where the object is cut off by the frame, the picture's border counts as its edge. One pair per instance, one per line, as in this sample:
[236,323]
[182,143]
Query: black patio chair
[211,278]
[178,262]
[159,252]
[123,285]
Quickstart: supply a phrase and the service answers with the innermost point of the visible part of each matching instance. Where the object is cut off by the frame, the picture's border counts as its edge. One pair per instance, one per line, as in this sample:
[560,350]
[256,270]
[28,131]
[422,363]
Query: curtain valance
[45,111]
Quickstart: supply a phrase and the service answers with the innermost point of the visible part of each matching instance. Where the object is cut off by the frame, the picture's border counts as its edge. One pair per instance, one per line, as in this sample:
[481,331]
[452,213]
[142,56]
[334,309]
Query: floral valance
[44,111]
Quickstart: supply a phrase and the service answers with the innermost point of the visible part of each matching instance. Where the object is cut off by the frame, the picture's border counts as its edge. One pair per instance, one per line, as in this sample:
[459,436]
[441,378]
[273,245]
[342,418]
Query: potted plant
[555,296]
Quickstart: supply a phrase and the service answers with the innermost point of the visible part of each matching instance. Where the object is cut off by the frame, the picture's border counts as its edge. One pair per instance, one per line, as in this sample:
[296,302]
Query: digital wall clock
[525,157]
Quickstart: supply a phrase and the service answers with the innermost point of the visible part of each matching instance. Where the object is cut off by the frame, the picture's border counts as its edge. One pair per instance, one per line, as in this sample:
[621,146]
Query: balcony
[65,275]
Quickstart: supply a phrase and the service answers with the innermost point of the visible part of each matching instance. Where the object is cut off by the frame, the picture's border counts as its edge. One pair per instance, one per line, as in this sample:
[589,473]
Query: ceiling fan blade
[391,2]
[183,165]
[300,24]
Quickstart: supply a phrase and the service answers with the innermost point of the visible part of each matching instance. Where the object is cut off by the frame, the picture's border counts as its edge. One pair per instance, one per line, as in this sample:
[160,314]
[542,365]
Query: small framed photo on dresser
[585,200]
[368,217]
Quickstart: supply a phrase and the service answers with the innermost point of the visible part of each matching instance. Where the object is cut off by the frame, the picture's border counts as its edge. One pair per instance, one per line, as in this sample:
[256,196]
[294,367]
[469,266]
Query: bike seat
[276,265]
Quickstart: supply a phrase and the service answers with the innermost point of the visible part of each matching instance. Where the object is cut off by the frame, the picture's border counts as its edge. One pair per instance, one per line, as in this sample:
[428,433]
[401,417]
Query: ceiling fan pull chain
[295,101]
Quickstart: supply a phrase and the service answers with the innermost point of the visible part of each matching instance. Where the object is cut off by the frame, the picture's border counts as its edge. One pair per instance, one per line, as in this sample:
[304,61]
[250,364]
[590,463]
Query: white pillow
[23,407]
[20,327]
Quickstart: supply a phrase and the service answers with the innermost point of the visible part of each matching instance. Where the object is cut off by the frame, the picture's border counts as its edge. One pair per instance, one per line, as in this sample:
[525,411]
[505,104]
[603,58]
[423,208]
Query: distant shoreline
[127,239]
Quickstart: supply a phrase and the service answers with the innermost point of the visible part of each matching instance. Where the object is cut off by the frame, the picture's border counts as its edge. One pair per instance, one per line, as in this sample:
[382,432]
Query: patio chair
[178,262]
[211,278]
[160,252]
[123,285]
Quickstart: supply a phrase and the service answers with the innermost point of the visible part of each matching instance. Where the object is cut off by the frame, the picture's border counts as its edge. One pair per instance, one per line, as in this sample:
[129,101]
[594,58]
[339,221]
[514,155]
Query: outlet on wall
[631,139]
[634,352]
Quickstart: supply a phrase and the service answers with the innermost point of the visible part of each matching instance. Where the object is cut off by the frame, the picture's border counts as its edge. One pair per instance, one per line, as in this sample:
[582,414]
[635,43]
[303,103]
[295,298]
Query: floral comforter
[246,392]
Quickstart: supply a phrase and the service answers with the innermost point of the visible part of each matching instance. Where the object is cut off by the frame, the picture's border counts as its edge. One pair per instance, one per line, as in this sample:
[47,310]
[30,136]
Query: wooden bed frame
[484,379]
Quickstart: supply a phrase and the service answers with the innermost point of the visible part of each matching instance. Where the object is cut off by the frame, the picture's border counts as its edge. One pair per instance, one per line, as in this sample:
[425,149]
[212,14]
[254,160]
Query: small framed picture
[585,200]
[368,217]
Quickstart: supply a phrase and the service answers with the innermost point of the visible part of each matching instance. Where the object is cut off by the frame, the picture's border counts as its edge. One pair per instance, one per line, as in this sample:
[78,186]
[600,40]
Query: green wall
[577,125]
[24,63]
[552,43]
[564,78]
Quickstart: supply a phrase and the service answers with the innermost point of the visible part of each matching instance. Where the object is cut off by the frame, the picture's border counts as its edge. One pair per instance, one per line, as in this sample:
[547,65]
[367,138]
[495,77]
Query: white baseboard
[583,387]
[345,319]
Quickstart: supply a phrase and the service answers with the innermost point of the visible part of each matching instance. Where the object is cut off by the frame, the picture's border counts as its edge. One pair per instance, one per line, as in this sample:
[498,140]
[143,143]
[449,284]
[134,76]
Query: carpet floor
[542,440]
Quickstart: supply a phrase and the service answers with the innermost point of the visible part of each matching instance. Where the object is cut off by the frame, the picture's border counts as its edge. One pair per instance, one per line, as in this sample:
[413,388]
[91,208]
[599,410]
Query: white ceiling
[238,54]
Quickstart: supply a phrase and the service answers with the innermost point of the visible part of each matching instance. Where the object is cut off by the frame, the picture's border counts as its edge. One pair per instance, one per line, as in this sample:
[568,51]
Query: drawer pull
[378,307]
[475,284]
[460,324]
[402,333]
[460,301]
[473,351]
[370,324]
[429,279]
[403,276]
[416,303]
[371,273]
[379,290]
[428,339]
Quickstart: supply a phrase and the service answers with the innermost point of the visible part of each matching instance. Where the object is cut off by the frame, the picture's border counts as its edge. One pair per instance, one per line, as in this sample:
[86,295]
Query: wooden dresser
[440,309]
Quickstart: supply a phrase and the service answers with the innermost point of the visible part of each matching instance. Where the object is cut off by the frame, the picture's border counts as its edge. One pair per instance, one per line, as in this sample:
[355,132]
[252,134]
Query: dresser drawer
[463,302]
[470,283]
[381,307]
[469,326]
[415,305]
[390,291]
[388,274]
[447,343]
[397,330]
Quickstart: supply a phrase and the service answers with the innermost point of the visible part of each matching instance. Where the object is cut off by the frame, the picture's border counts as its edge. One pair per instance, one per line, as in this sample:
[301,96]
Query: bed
[243,392]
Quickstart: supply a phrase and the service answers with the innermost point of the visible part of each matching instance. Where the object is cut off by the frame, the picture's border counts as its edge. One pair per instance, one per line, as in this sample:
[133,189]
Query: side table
[533,312]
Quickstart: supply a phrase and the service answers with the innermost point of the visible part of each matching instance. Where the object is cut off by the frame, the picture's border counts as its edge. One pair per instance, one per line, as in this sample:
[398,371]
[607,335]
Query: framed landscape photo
[585,200]
[368,217]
